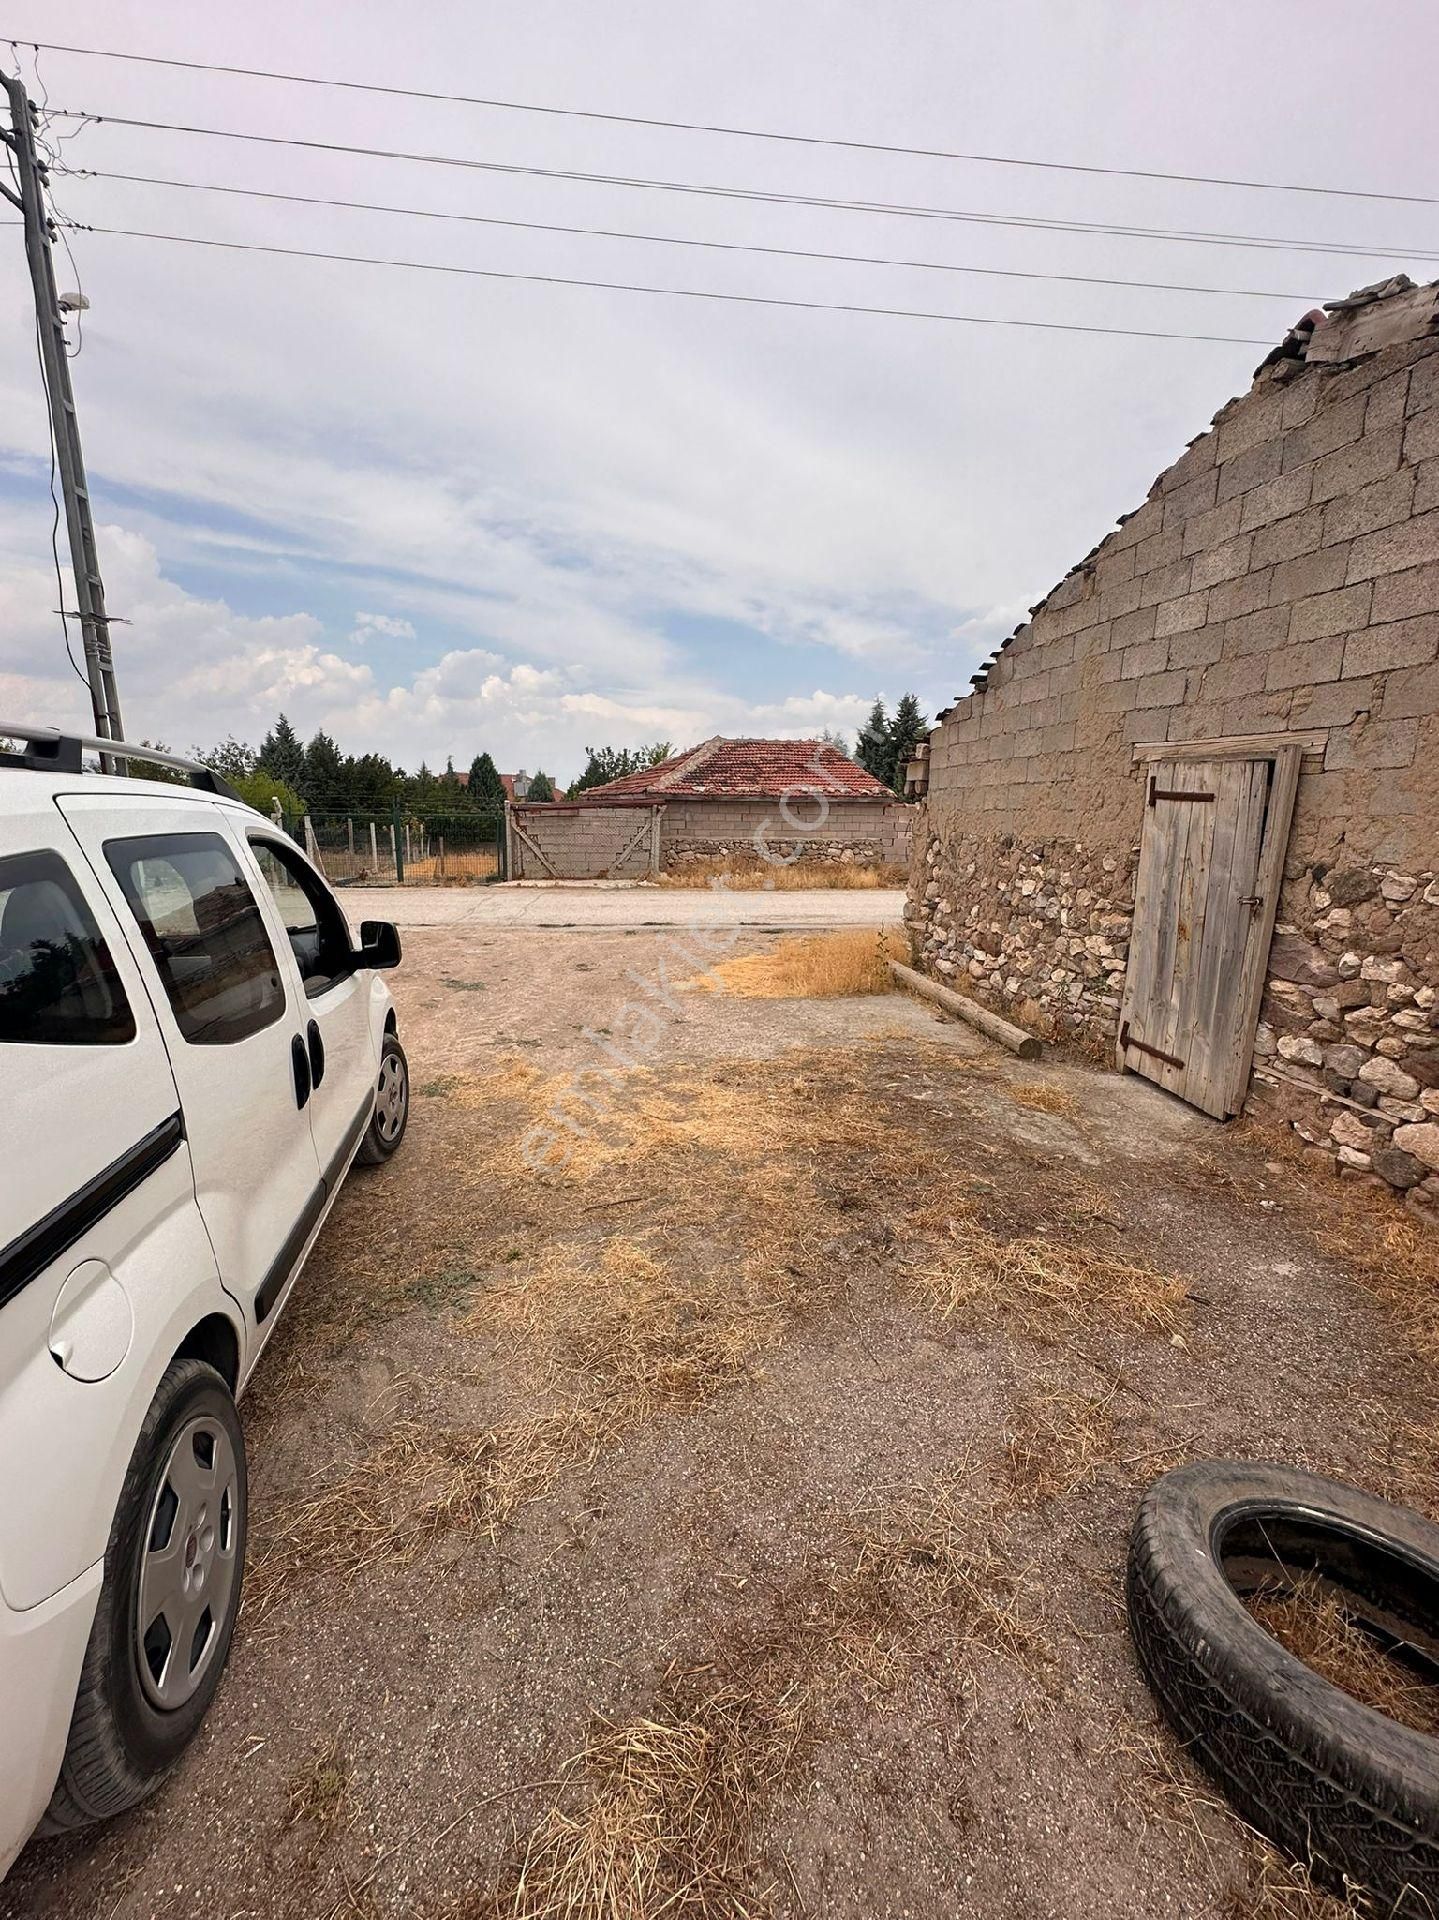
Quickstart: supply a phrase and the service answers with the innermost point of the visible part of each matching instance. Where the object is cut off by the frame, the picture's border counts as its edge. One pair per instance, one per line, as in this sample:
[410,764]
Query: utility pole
[64,424]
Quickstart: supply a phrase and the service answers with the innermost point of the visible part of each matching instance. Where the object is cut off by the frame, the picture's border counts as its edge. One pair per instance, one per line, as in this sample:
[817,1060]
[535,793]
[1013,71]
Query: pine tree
[322,780]
[906,730]
[541,787]
[873,749]
[282,755]
[486,785]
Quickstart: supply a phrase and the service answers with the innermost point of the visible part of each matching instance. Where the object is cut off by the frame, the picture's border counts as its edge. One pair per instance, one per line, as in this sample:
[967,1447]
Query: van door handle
[300,1062]
[316,1046]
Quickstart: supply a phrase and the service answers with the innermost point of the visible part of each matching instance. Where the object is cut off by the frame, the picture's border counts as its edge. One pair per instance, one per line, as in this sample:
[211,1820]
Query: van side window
[319,938]
[58,985]
[204,931]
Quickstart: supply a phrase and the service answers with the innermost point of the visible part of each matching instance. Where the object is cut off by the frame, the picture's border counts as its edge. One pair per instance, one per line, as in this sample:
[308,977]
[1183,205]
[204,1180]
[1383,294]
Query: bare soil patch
[727,1516]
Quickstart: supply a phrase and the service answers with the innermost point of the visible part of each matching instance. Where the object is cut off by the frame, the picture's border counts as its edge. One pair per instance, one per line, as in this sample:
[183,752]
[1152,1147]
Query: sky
[438,515]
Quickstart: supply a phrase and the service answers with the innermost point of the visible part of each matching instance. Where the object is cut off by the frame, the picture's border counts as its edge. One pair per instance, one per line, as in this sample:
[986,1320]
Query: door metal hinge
[1127,1041]
[1156,792]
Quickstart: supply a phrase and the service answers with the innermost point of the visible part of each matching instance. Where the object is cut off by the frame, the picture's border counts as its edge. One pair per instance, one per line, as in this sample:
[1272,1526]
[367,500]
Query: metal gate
[1211,861]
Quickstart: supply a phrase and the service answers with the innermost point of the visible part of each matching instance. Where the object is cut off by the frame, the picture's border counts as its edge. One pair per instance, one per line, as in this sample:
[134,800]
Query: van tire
[121,1745]
[387,1124]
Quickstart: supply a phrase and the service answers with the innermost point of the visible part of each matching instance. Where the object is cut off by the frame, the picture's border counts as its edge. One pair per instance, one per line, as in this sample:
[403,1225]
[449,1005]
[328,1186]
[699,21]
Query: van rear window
[58,985]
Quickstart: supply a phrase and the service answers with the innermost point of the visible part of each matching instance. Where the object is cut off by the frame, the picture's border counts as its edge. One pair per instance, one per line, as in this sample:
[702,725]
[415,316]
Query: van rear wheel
[166,1613]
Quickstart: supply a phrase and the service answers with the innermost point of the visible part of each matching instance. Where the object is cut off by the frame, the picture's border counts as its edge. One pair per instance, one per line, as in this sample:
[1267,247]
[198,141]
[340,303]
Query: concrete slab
[620,907]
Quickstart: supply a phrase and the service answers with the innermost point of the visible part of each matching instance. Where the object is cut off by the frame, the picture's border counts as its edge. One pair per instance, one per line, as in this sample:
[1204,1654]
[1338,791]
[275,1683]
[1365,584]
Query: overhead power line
[754,194]
[676,240]
[733,133]
[673,293]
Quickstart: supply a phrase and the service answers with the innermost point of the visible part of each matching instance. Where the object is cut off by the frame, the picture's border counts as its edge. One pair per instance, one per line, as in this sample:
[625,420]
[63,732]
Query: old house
[725,799]
[1188,811]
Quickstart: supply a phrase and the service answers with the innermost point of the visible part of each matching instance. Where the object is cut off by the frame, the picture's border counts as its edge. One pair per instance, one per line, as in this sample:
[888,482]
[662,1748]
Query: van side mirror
[379,944]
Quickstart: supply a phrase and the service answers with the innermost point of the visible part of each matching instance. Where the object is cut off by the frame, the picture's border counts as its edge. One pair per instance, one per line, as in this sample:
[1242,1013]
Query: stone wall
[860,832]
[1282,578]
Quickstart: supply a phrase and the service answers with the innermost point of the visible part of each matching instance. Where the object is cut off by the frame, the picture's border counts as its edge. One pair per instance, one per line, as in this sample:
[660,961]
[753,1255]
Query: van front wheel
[392,1106]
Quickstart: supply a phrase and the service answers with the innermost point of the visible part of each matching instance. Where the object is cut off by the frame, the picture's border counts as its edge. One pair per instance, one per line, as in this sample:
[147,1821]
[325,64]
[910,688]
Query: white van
[194,1051]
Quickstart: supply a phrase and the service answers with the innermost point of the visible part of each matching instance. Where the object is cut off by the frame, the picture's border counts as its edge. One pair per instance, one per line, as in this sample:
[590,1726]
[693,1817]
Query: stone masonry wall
[1281,578]
[859,832]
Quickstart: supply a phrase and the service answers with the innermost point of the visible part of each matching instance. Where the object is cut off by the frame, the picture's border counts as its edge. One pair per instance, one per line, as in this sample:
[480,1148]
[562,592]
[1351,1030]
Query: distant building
[802,800]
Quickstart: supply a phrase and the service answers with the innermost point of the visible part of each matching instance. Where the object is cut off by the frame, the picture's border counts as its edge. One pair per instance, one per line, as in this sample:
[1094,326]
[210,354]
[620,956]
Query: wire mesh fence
[405,849]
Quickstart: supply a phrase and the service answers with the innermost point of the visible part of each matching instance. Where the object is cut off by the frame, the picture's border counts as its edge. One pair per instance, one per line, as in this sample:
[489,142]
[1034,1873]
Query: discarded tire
[1337,1784]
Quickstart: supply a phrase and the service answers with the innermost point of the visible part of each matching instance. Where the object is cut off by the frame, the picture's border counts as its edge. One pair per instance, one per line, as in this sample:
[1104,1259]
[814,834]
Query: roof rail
[52,751]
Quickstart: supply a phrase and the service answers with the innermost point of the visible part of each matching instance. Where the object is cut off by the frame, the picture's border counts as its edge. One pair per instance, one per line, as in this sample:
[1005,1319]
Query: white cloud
[367,625]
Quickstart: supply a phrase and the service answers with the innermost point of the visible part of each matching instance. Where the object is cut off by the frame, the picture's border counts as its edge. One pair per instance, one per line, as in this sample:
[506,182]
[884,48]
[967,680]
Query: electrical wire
[752,195]
[676,293]
[675,240]
[733,133]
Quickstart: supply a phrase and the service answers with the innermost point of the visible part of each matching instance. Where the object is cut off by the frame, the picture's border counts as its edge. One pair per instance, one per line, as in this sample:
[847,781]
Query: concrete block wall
[581,843]
[1281,578]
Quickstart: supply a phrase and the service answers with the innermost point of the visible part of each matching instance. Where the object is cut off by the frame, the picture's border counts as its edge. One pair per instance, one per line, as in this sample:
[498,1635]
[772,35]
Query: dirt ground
[734,1515]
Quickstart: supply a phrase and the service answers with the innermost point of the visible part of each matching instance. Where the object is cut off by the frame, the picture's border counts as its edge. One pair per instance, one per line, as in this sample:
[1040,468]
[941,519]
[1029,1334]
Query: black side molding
[28,1256]
[345,1152]
[283,1264]
[273,1285]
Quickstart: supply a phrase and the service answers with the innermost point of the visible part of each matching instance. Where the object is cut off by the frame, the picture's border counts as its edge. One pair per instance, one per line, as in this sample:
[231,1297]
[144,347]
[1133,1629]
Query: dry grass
[817,966]
[659,1813]
[1044,1287]
[400,1498]
[319,1791]
[1056,1442]
[804,876]
[1311,1621]
[1041,1096]
[1161,1788]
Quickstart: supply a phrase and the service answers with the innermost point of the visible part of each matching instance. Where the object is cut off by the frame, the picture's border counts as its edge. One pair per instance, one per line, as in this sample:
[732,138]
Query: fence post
[440,864]
[350,834]
[395,838]
[374,851]
[312,845]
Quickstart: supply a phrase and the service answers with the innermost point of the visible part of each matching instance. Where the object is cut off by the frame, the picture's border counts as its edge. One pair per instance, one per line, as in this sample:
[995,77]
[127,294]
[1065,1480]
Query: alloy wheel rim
[189,1564]
[391,1097]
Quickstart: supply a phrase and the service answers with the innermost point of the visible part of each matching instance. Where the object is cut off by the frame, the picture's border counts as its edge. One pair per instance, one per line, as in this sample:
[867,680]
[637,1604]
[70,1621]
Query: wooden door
[1211,860]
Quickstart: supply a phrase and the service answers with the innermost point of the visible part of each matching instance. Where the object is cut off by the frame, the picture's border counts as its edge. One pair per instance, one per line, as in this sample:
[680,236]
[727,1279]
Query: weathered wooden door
[1211,859]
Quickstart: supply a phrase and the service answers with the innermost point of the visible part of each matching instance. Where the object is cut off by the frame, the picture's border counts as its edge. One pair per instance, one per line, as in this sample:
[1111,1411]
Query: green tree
[322,780]
[261,790]
[232,759]
[282,754]
[603,764]
[541,787]
[873,750]
[372,783]
[906,730]
[422,791]
[486,786]
[829,738]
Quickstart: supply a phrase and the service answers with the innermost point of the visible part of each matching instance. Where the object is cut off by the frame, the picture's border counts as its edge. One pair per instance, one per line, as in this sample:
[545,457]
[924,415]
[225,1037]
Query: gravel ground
[390,1734]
